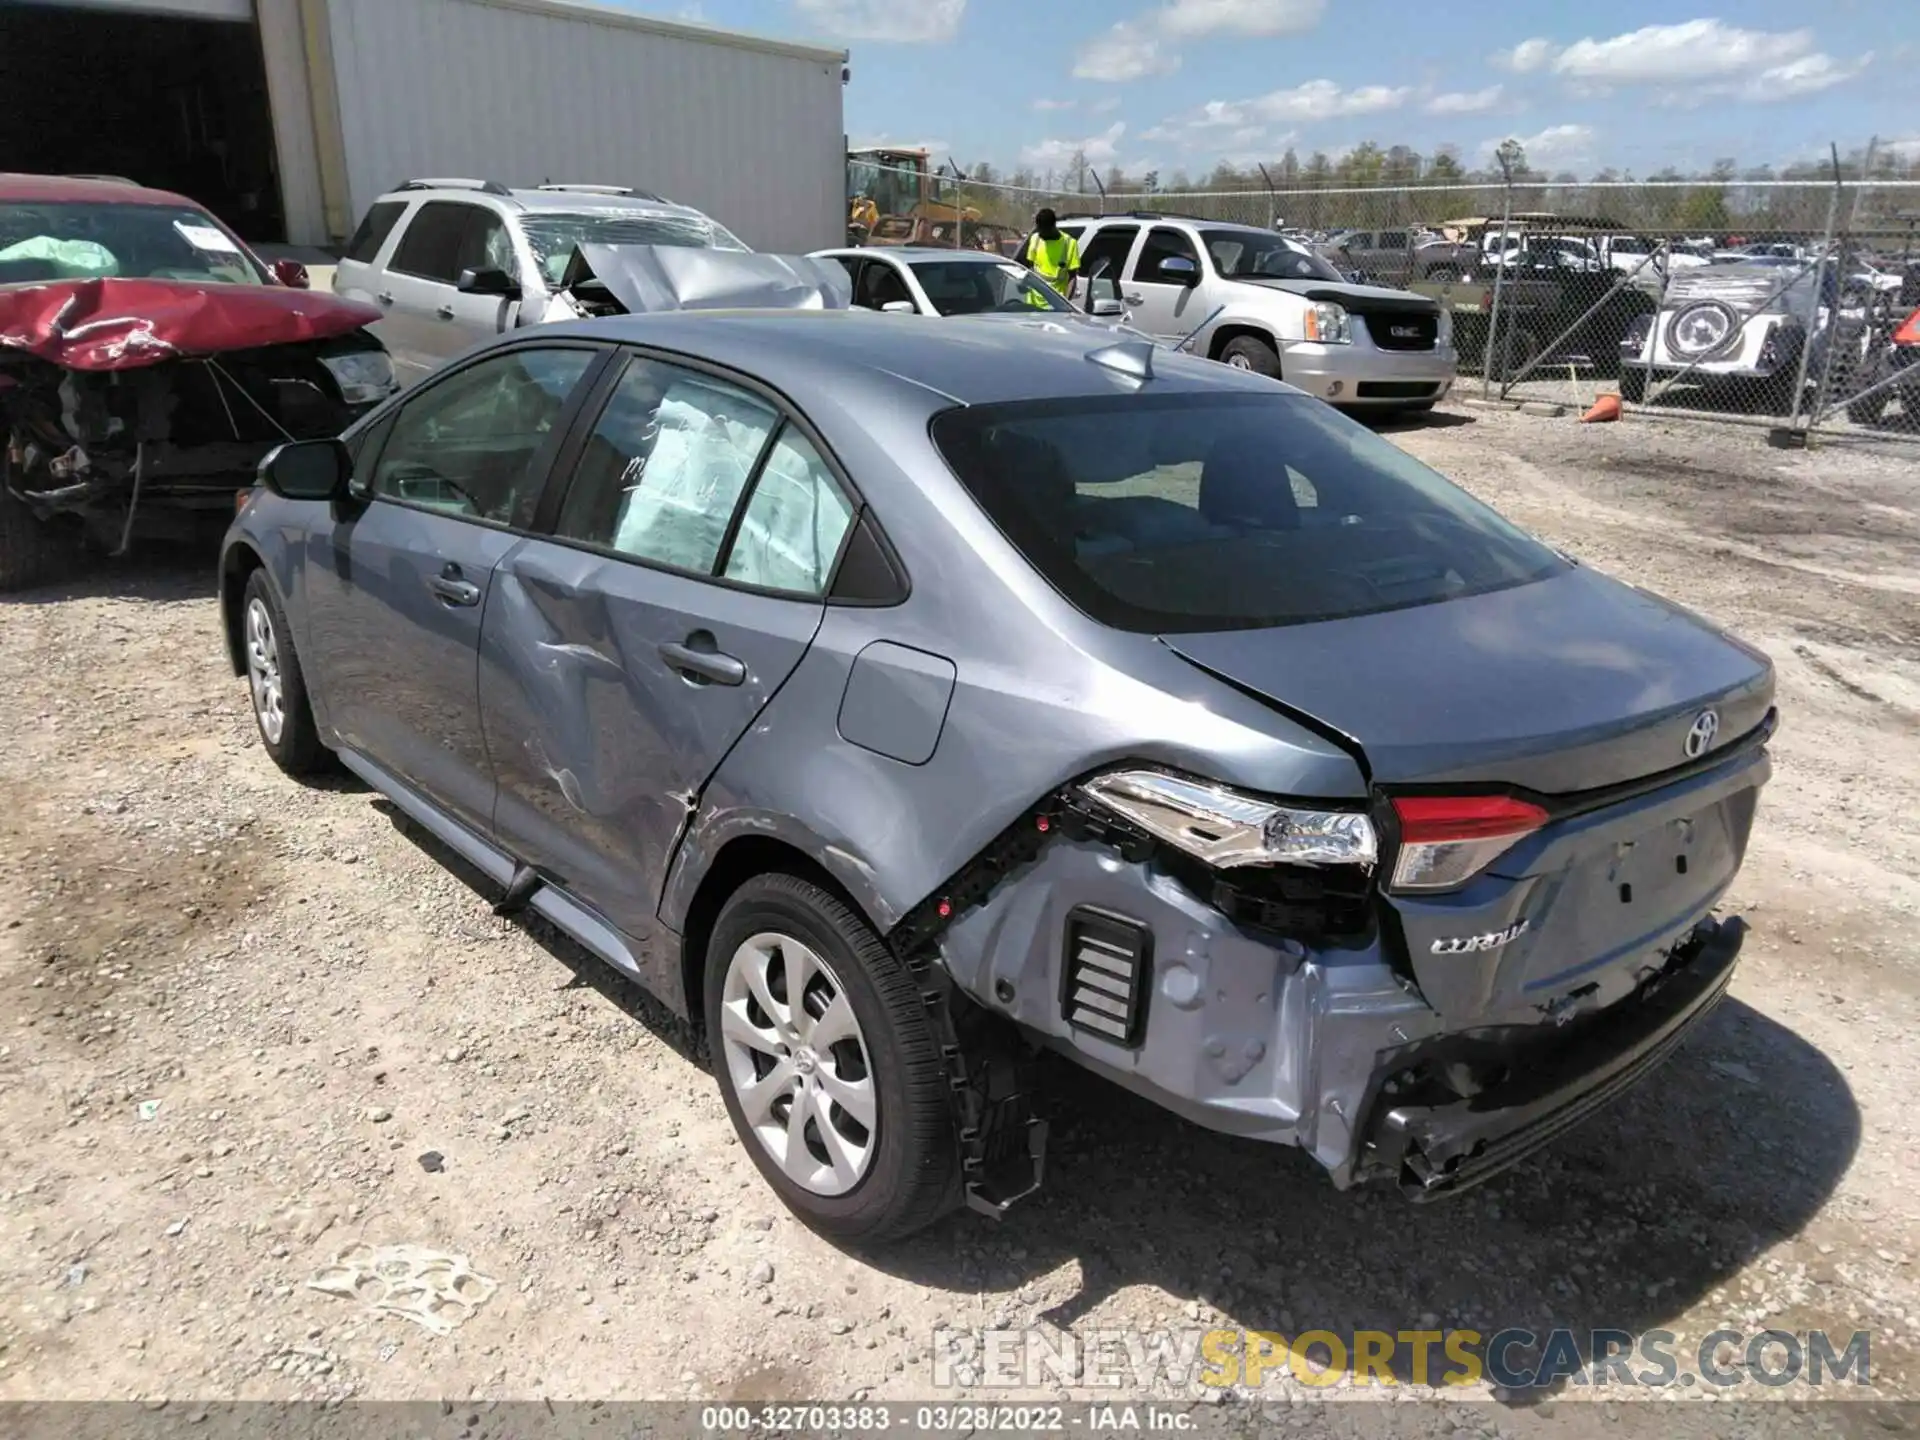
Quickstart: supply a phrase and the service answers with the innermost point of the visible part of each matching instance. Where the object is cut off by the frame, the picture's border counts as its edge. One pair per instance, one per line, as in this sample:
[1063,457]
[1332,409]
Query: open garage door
[156,92]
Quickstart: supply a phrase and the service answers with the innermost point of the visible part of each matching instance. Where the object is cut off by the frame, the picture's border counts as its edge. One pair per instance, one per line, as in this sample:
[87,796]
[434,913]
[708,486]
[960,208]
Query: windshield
[1195,512]
[553,236]
[1248,255]
[59,240]
[967,287]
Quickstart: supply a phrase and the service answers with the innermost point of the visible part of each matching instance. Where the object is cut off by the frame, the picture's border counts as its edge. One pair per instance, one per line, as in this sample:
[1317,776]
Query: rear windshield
[553,236]
[1181,513]
[61,240]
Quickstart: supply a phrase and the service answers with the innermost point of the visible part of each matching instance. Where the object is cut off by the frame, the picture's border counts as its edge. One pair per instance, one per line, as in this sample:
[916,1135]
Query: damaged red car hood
[124,324]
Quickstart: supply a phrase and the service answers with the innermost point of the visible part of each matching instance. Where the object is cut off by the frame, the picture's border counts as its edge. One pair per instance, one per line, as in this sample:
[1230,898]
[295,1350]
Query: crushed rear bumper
[1441,1149]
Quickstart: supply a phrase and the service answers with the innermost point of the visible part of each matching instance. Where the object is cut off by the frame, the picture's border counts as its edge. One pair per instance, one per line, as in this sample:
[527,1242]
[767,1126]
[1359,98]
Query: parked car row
[704,635]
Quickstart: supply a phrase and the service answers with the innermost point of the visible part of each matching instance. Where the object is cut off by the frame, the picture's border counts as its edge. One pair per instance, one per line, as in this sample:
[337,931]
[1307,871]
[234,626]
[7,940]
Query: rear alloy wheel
[828,1063]
[276,684]
[1247,352]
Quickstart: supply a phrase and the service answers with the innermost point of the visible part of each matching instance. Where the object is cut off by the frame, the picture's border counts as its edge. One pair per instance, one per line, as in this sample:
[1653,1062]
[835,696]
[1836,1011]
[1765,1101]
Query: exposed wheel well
[240,563]
[738,862]
[1227,334]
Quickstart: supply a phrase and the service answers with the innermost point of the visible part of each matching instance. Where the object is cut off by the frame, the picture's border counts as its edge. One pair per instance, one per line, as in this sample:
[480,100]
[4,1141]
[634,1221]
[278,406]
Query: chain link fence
[1788,304]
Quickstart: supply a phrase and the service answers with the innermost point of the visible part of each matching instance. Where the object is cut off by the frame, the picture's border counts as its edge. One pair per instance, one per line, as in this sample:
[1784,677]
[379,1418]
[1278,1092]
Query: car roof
[53,189]
[929,252]
[570,202]
[822,355]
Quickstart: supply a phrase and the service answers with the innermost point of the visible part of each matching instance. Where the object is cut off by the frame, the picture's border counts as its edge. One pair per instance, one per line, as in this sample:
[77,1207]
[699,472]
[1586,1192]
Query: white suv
[452,262]
[1260,301]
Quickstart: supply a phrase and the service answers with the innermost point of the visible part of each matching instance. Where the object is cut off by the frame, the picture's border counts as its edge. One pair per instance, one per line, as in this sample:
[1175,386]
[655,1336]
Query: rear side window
[1184,512]
[1113,243]
[373,231]
[433,244]
[795,522]
[666,466]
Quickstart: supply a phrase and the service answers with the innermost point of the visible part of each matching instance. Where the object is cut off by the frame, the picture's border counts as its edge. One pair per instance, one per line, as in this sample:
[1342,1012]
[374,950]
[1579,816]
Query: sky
[1172,85]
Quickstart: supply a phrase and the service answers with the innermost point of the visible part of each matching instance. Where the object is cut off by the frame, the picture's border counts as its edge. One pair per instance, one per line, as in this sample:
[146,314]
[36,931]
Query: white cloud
[1526,57]
[1101,150]
[1126,52]
[1104,107]
[1691,50]
[1465,102]
[1147,44]
[1558,147]
[918,23]
[1054,104]
[1808,75]
[1241,17]
[1693,61]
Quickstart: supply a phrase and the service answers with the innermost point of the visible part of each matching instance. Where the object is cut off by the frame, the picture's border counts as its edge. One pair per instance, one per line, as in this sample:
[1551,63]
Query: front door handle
[445,312]
[384,298]
[452,589]
[704,665]
[1136,299]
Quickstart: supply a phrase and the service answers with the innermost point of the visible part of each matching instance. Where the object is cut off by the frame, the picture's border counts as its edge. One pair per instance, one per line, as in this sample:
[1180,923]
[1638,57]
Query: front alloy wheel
[263,672]
[799,1063]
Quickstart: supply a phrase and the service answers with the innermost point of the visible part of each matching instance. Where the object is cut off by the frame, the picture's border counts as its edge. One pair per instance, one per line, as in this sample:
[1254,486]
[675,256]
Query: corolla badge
[1475,944]
[1706,729]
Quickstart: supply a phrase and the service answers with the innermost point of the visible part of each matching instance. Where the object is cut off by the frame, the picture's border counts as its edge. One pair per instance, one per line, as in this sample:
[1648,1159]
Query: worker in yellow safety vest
[1052,254]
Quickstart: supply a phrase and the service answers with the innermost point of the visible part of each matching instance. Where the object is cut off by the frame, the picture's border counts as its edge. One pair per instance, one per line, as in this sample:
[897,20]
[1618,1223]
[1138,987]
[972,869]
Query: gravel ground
[246,1025]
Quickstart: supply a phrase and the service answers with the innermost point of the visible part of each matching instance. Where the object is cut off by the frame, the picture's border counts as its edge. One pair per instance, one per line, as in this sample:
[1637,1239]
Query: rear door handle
[704,664]
[453,590]
[445,312]
[384,298]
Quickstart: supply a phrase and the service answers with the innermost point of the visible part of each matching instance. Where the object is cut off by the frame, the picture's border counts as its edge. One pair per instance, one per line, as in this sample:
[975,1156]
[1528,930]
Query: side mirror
[898,307]
[307,470]
[1178,270]
[1103,294]
[292,274]
[1108,309]
[489,282]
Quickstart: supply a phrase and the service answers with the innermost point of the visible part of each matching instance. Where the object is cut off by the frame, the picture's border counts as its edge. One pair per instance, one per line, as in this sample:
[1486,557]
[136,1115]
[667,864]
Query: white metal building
[287,117]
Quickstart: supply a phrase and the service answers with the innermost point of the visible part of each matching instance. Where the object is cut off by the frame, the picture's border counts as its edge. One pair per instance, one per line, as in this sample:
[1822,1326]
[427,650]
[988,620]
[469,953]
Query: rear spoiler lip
[1585,802]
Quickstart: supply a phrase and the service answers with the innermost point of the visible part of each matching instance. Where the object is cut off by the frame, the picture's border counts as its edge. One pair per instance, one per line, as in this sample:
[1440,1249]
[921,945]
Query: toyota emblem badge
[1706,729]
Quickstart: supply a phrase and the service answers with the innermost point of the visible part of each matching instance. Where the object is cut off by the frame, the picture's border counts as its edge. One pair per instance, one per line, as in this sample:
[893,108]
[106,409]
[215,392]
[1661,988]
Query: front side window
[1195,512]
[967,287]
[552,235]
[1250,255]
[58,240]
[433,244]
[666,466]
[470,445]
[1163,243]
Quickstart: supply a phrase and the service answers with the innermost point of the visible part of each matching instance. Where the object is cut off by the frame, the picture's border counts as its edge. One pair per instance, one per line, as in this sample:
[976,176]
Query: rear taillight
[1909,332]
[1446,840]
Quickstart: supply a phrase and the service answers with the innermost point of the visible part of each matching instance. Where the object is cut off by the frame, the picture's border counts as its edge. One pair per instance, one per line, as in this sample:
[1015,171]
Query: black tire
[298,750]
[1869,410]
[32,552]
[914,1176]
[1249,352]
[1444,274]
[1633,385]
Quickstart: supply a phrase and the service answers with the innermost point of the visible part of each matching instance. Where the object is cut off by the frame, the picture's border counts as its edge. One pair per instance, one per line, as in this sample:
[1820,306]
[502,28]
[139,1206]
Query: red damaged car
[148,361]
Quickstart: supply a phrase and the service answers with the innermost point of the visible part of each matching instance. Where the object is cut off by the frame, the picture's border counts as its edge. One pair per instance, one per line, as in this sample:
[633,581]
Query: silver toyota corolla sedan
[898,700]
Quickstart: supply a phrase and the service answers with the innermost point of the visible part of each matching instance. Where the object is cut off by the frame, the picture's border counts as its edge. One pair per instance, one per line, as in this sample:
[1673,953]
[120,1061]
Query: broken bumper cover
[1442,1149]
